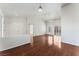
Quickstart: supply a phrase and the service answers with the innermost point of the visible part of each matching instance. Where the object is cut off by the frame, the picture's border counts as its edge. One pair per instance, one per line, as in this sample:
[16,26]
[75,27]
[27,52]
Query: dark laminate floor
[44,45]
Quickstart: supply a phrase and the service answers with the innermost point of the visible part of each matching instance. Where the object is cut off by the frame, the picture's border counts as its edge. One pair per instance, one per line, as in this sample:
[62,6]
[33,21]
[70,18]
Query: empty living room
[39,29]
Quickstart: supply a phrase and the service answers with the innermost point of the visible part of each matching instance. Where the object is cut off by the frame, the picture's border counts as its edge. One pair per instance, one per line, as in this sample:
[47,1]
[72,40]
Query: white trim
[2,26]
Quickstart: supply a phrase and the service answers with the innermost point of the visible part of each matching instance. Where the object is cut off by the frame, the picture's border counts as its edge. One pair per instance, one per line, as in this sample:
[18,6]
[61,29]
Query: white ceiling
[50,10]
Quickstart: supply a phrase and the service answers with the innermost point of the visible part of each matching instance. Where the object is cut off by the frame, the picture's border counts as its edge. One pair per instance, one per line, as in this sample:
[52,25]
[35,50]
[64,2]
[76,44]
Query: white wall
[11,42]
[70,24]
[0,26]
[14,33]
[38,24]
[14,26]
[17,31]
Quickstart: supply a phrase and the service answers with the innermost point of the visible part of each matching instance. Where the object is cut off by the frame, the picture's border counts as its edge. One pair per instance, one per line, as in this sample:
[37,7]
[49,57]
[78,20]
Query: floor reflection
[57,41]
[50,40]
[54,40]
